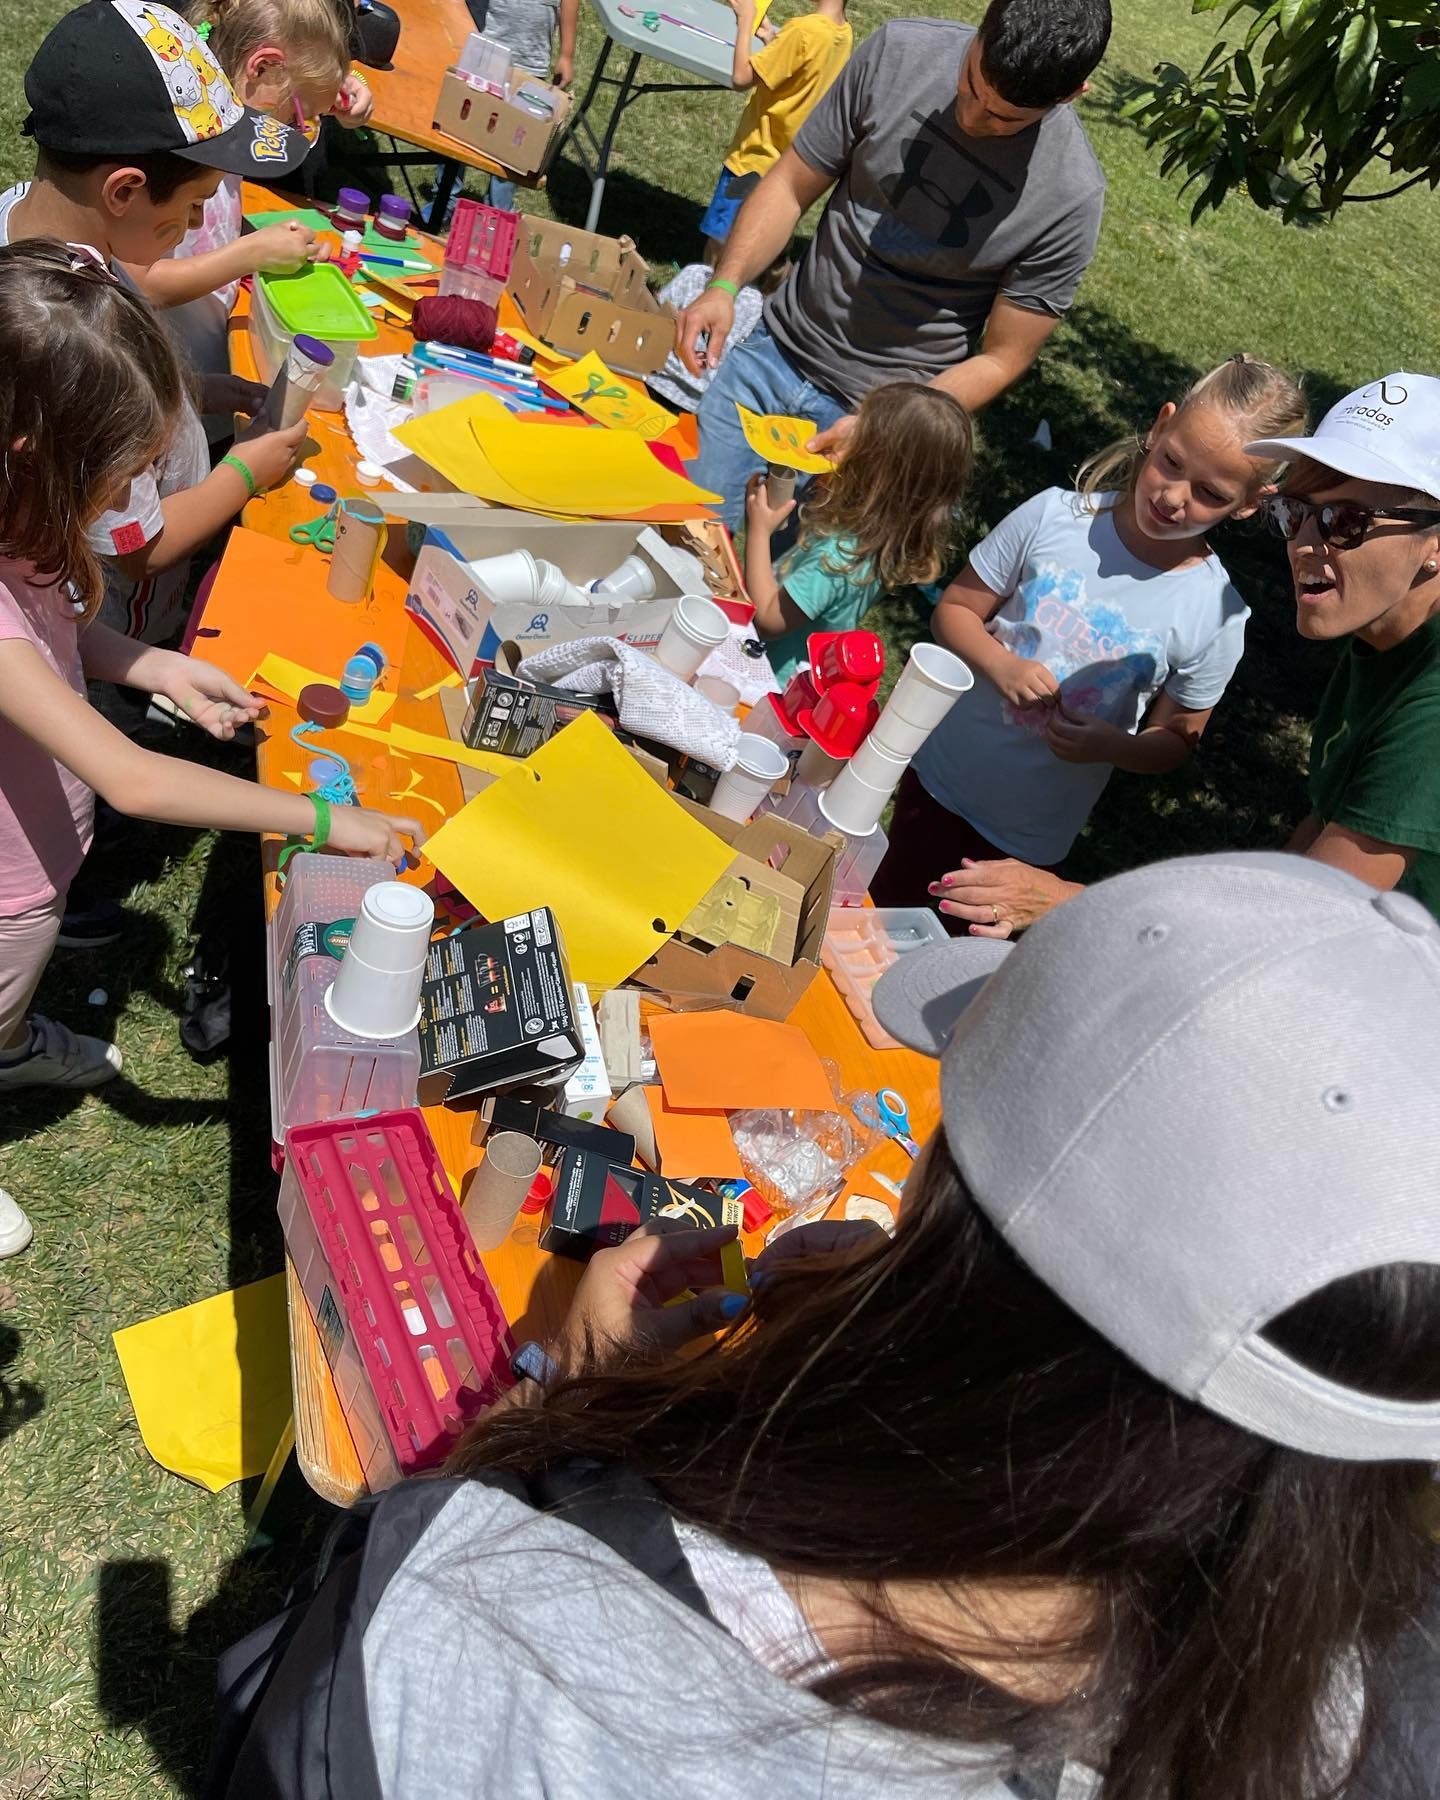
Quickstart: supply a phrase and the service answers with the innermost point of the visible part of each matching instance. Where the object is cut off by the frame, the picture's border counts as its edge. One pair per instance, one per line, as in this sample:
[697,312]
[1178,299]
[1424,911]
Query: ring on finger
[994,913]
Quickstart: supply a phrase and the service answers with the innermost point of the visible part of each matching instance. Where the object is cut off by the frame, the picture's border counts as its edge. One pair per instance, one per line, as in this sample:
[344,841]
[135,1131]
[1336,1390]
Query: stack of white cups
[932,681]
[695,628]
[516,578]
[376,990]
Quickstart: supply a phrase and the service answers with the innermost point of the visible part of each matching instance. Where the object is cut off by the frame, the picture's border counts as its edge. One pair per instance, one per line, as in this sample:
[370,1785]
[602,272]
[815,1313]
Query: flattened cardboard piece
[580,291]
[618,1016]
[694,974]
[497,1009]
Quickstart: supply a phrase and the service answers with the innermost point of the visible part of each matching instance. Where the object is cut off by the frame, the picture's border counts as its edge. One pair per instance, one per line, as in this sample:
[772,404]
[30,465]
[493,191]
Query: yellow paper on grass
[210,1383]
[780,439]
[581,828]
[286,678]
[609,399]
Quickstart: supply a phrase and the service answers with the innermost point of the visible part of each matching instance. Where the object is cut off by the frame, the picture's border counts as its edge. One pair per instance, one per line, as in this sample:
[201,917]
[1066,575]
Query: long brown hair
[892,499]
[90,393]
[1263,401]
[926,1411]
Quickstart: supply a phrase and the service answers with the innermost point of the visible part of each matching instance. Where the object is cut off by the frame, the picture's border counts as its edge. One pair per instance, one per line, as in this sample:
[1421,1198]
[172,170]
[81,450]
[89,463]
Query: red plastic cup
[841,718]
[846,656]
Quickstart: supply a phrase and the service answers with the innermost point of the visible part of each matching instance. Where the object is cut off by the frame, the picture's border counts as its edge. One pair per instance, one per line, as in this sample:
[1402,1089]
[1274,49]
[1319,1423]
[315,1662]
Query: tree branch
[1390,193]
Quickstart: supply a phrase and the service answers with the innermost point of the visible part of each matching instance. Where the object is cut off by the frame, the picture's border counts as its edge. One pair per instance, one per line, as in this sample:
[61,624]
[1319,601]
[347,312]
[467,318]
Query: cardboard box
[735,977]
[451,605]
[512,718]
[580,291]
[496,1009]
[508,134]
[557,1131]
[597,1203]
[587,1092]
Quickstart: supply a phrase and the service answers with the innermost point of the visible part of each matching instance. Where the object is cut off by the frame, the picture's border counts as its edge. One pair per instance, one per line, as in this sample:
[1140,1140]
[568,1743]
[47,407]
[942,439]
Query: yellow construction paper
[210,1383]
[448,680]
[287,678]
[608,398]
[581,828]
[780,439]
[562,469]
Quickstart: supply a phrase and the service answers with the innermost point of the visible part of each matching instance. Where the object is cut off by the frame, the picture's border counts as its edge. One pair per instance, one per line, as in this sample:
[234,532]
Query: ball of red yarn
[450,319]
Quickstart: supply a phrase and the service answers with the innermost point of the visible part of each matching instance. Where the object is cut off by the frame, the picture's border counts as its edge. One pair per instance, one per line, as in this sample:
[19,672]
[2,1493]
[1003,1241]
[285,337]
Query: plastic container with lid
[392,218]
[351,209]
[317,303]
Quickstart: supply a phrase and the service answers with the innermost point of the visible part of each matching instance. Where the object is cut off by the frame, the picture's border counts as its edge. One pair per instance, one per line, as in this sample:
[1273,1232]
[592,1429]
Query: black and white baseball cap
[1192,1097]
[1387,432]
[118,78]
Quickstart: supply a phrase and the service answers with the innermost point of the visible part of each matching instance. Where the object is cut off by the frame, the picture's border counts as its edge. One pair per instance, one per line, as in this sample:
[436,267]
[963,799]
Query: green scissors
[595,389]
[320,531]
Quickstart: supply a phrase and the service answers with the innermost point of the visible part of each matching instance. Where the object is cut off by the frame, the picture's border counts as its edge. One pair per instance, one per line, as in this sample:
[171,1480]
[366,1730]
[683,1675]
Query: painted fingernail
[732,1305]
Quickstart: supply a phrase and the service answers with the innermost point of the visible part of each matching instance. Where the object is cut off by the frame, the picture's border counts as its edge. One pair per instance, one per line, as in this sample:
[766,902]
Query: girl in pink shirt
[89,394]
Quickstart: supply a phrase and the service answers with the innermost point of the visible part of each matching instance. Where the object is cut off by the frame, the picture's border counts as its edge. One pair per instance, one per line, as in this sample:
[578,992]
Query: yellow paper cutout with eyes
[780,439]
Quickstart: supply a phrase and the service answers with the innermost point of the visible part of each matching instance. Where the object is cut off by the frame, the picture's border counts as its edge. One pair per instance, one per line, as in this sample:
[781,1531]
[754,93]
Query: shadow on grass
[20,1401]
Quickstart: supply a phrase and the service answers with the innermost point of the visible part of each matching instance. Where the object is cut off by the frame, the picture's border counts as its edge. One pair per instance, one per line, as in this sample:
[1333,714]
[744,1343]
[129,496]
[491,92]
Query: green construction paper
[305,216]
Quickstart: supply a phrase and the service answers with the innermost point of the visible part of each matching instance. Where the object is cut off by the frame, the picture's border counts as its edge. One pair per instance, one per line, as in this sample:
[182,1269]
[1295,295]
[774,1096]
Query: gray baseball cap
[1189,1099]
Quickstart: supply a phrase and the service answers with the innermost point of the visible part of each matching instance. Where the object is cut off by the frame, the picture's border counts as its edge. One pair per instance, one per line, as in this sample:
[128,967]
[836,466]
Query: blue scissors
[886,1111]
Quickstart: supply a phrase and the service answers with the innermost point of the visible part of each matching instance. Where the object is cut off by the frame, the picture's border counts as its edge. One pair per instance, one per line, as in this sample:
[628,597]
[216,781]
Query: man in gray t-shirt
[966,205]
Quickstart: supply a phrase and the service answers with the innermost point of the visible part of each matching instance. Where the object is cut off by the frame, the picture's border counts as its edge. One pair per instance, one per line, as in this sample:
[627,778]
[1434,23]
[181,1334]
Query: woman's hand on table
[354,103]
[207,696]
[1001,897]
[360,832]
[620,1304]
[232,394]
[271,456]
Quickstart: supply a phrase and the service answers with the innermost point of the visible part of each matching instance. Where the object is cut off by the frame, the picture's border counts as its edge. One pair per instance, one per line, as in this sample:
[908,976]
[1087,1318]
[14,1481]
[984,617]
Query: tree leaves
[1319,90]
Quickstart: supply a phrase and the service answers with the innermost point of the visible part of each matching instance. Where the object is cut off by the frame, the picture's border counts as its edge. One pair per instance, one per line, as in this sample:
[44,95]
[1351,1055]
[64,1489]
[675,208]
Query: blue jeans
[759,376]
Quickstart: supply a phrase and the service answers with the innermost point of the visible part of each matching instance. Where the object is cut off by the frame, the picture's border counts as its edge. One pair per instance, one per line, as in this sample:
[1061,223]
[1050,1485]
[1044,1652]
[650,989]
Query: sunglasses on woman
[1343,523]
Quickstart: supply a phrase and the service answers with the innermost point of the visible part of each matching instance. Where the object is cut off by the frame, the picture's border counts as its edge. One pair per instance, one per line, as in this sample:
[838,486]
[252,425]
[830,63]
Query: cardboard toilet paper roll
[498,1187]
[359,542]
[631,1113]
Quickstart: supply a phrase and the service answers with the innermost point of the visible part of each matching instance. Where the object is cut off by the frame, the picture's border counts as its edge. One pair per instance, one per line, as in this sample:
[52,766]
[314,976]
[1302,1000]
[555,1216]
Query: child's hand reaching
[207,696]
[284,245]
[760,515]
[564,75]
[359,832]
[1077,739]
[270,456]
[1025,683]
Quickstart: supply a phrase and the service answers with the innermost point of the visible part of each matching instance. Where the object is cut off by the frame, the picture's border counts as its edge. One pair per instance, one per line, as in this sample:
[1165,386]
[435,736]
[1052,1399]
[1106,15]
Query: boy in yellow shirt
[787,77]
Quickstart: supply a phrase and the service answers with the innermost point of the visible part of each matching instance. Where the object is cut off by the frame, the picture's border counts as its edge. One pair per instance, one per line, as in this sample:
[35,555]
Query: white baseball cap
[1192,1097]
[1389,431]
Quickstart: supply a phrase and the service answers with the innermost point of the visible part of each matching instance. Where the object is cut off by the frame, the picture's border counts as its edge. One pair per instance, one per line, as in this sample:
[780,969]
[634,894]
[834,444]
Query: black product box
[597,1203]
[496,1009]
[556,1130]
[512,717]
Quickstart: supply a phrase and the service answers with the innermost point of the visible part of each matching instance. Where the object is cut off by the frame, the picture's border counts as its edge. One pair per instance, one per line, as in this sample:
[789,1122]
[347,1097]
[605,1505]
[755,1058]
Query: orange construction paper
[692,1145]
[730,1060]
[270,595]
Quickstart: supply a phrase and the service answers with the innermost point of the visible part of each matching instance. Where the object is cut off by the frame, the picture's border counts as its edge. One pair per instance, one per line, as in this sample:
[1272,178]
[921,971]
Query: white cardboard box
[587,1092]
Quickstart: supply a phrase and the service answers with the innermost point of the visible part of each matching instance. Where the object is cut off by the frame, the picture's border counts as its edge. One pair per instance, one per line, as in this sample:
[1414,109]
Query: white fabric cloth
[652,701]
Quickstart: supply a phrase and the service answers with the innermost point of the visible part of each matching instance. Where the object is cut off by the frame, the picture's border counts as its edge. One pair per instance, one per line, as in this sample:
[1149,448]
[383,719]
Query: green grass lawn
[118,1582]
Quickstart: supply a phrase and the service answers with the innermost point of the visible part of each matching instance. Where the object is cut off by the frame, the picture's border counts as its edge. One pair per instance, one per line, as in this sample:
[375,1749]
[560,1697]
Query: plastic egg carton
[862,942]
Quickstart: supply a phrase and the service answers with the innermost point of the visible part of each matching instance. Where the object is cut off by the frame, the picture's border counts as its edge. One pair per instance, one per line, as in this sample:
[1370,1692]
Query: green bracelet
[321,835]
[234,462]
[729,286]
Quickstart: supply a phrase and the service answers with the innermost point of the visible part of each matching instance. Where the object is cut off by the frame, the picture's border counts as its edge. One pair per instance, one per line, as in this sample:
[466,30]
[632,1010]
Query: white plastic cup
[376,990]
[759,764]
[511,579]
[695,628]
[854,805]
[874,764]
[723,694]
[552,586]
[633,580]
[932,680]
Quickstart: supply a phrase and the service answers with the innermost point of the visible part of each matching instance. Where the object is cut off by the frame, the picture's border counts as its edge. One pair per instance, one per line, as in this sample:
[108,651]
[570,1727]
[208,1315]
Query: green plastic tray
[320,302]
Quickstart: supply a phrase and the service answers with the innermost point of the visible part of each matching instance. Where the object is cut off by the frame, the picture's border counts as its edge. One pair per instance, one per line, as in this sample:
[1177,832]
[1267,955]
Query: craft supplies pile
[598,992]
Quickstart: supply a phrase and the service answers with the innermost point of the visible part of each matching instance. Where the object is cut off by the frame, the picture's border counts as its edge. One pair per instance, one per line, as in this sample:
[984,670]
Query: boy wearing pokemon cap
[134,125]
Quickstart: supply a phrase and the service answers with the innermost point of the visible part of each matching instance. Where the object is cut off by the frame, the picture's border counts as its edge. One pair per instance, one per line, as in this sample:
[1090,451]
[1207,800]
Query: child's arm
[206,695]
[775,612]
[167,788]
[742,74]
[175,279]
[194,515]
[565,59]
[1166,740]
[959,624]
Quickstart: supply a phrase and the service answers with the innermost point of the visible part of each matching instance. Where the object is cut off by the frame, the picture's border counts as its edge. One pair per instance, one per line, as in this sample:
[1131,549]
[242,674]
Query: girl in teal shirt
[883,520]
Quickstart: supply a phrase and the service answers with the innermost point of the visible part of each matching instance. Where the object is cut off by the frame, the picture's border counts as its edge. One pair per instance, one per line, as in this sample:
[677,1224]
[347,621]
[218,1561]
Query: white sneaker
[61,1058]
[15,1229]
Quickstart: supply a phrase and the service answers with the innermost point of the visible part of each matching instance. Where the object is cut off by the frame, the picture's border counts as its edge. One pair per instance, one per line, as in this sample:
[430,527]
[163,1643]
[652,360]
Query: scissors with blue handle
[886,1111]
